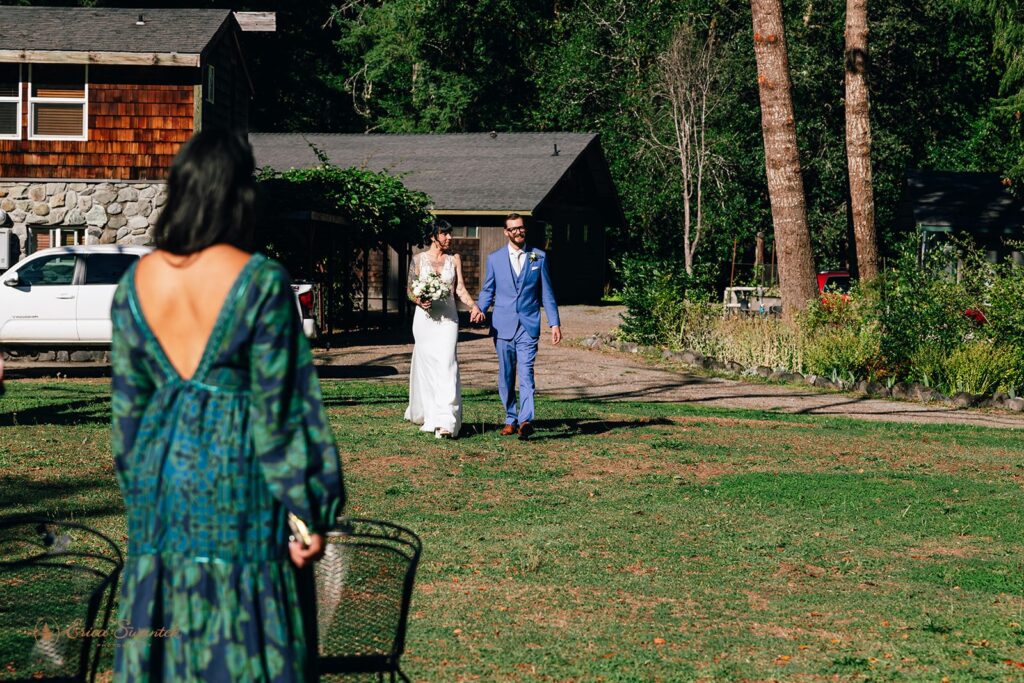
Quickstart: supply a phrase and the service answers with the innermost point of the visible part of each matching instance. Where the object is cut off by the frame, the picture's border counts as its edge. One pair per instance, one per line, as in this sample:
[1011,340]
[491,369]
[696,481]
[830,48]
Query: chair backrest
[57,584]
[364,584]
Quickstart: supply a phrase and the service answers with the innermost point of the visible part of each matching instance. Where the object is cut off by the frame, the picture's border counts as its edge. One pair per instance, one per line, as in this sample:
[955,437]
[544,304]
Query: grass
[633,541]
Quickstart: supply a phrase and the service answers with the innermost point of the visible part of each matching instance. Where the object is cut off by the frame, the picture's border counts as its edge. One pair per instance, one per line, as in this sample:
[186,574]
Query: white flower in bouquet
[430,287]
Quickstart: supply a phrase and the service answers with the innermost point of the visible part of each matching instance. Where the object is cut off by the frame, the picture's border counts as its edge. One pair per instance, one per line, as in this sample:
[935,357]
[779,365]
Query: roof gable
[473,172]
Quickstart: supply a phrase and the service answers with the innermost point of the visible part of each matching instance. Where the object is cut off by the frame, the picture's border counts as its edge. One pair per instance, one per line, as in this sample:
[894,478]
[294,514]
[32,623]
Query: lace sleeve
[414,270]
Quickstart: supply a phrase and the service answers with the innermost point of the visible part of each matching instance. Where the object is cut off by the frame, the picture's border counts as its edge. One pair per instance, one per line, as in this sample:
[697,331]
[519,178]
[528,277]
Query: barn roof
[49,34]
[464,172]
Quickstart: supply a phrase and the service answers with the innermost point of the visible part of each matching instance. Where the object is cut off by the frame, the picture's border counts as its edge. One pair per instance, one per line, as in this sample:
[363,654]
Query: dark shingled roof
[973,202]
[78,29]
[461,172]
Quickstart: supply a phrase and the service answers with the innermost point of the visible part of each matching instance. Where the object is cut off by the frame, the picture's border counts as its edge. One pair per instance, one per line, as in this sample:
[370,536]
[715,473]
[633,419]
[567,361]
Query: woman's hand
[303,555]
[424,304]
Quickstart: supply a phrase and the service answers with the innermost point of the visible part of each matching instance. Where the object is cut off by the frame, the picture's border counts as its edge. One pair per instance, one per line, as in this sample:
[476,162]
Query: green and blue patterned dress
[209,467]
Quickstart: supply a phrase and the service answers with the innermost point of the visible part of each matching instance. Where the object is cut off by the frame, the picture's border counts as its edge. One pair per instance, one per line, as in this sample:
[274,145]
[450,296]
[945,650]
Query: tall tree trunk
[858,138]
[782,160]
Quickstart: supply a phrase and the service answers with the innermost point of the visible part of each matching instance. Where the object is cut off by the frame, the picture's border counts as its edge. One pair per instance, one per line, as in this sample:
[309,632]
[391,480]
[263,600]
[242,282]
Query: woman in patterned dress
[219,431]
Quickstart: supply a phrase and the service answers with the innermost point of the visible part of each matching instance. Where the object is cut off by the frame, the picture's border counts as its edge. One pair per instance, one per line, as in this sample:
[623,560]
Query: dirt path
[574,372]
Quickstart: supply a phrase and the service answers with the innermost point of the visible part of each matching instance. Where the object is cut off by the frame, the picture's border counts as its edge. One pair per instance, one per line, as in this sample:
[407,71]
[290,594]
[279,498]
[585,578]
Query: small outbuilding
[559,182]
[978,205]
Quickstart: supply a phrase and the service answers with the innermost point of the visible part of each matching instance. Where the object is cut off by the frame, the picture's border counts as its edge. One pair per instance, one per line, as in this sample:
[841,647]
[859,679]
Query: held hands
[556,335]
[476,315]
[303,555]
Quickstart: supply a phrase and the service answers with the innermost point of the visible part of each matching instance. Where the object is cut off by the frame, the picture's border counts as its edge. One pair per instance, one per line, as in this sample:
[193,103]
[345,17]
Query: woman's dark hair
[211,193]
[436,228]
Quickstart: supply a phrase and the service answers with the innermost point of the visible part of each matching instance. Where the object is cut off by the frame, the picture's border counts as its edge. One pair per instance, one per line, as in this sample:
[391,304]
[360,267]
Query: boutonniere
[533,256]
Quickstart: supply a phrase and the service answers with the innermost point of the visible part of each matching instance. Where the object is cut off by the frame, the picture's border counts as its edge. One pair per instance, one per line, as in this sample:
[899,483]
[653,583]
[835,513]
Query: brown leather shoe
[525,430]
[508,430]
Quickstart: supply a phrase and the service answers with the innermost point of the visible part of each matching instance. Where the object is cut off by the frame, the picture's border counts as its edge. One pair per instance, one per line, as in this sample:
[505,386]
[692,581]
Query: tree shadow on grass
[63,370]
[355,371]
[93,411]
[42,496]
[552,430]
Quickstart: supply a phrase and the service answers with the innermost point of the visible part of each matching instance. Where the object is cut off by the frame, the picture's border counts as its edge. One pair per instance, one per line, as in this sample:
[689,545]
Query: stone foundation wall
[105,212]
[56,356]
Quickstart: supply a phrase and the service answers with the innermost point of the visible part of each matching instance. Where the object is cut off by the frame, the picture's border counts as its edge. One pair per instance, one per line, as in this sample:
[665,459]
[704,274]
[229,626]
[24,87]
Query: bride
[435,391]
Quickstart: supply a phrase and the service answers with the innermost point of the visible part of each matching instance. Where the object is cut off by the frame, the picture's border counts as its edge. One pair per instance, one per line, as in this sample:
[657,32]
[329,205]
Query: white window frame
[58,100]
[17,101]
[55,235]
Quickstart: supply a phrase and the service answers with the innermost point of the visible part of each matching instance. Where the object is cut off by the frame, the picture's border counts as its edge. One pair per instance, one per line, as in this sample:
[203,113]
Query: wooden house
[94,104]
[559,182]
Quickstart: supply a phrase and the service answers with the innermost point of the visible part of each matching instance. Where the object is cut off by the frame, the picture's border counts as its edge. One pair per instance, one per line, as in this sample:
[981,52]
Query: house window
[10,101]
[210,83]
[465,231]
[44,238]
[58,95]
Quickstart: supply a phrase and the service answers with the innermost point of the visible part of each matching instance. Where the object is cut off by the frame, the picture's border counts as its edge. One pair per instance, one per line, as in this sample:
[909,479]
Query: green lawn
[632,541]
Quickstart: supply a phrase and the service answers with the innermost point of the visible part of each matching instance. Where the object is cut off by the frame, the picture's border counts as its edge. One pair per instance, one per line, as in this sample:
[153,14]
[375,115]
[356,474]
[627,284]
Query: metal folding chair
[57,585]
[364,584]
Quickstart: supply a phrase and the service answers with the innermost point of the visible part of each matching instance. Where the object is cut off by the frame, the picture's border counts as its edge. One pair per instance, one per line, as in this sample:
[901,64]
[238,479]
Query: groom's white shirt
[515,257]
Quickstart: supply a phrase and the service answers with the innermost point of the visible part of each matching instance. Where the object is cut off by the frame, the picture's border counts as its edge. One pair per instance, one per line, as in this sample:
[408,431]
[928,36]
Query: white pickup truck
[62,296]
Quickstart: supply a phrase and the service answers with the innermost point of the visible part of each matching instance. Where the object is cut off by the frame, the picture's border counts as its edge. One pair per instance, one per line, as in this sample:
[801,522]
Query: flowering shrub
[952,327]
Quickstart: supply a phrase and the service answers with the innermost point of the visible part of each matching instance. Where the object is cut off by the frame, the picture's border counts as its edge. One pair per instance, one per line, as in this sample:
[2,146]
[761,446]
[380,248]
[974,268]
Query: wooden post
[366,286]
[759,257]
[385,270]
[732,271]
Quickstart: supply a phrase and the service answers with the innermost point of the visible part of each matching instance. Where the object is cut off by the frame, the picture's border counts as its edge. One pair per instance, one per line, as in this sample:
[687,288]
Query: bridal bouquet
[430,287]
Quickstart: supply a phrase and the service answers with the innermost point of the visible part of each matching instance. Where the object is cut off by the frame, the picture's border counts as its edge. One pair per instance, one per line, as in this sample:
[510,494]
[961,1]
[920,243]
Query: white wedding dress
[435,390]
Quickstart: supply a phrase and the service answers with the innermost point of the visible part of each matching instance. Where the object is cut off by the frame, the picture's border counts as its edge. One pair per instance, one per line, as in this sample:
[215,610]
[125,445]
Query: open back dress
[209,466]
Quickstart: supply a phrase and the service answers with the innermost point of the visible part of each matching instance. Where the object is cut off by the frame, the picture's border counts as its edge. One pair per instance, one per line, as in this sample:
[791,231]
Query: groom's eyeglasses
[518,228]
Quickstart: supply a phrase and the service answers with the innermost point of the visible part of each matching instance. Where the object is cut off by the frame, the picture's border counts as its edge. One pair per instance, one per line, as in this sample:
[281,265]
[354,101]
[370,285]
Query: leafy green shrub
[1005,306]
[928,366]
[699,328]
[983,367]
[917,305]
[850,351]
[656,294]
[761,341]
[909,323]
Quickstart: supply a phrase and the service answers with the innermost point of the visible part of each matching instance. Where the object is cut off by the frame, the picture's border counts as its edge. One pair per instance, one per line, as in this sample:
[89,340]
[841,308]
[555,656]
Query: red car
[834,281]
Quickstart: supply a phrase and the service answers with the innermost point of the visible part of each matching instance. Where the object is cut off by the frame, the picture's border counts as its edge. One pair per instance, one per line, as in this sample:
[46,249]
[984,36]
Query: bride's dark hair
[436,228]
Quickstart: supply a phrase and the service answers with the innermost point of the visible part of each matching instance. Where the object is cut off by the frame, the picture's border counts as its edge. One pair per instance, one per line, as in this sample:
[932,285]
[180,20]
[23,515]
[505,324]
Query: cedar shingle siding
[138,116]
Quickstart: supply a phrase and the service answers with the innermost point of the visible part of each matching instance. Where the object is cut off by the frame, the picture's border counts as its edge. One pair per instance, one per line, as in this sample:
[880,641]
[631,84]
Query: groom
[517,283]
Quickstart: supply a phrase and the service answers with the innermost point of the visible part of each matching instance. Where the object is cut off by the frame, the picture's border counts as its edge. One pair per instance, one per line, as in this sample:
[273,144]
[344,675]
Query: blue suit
[515,323]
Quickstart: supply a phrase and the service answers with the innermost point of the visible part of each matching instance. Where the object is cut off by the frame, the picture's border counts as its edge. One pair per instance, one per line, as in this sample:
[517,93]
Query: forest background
[940,74]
